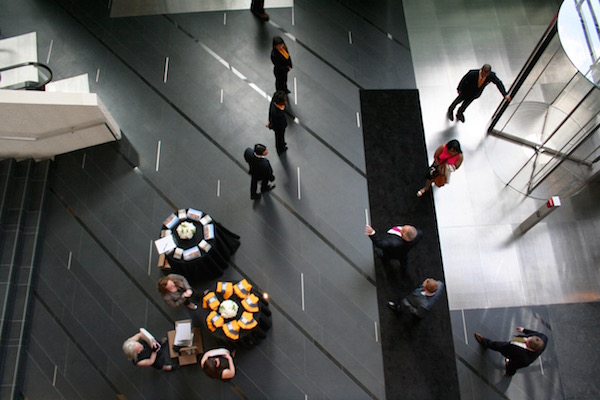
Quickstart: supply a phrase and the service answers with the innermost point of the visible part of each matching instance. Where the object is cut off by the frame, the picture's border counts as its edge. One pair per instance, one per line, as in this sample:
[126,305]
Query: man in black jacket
[470,88]
[521,351]
[395,243]
[260,170]
[278,120]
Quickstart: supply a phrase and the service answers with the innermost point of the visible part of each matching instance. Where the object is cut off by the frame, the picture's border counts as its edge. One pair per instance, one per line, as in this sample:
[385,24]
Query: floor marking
[150,257]
[462,312]
[166,70]
[218,188]
[295,91]
[49,51]
[158,155]
[299,192]
[302,288]
[70,259]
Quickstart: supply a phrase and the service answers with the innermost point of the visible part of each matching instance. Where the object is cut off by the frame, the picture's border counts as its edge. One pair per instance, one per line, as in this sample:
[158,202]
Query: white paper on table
[191,254]
[147,336]
[183,334]
[204,245]
[165,244]
[171,221]
[209,232]
[194,214]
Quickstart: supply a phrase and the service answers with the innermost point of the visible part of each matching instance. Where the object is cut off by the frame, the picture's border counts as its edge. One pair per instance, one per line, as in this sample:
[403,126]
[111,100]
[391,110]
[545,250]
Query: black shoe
[393,306]
[288,91]
[478,337]
[255,196]
[449,115]
[264,16]
[460,116]
[268,188]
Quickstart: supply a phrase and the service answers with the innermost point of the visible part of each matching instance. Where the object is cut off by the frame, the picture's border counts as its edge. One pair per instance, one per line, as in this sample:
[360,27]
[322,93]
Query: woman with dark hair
[282,63]
[175,290]
[447,159]
[218,364]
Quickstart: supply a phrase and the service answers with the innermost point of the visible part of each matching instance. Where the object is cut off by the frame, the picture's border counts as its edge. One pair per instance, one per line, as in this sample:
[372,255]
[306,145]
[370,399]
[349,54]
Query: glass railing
[25,76]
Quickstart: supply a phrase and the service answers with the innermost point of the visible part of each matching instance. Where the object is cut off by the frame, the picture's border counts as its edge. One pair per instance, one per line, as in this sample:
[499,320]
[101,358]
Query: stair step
[19,246]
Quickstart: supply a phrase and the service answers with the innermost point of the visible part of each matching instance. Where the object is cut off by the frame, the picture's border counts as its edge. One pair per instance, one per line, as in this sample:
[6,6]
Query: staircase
[23,188]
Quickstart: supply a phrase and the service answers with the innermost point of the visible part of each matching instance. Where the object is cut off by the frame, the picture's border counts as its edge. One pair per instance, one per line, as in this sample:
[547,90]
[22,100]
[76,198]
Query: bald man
[395,243]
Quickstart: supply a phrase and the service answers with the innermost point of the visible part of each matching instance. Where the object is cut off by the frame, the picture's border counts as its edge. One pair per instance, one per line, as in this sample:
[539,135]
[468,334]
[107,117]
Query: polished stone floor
[194,88]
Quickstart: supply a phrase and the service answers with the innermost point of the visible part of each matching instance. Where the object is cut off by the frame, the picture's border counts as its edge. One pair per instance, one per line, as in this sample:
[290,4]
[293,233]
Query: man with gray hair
[470,88]
[395,243]
[521,351]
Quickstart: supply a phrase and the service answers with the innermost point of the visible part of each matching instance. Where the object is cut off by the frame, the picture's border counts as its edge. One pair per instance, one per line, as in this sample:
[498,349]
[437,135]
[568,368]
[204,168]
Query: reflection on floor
[304,243]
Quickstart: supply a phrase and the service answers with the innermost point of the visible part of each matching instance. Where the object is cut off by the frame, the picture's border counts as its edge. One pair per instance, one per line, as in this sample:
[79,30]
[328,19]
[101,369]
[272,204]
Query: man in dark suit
[470,88]
[521,351]
[421,300]
[278,120]
[395,243]
[260,170]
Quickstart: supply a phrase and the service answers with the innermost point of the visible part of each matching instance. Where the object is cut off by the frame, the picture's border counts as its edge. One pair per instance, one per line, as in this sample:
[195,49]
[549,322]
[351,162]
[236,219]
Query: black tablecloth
[247,337]
[211,264]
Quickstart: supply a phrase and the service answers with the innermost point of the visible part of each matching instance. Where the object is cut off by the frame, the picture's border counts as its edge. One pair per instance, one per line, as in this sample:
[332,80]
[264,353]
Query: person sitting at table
[144,354]
[175,290]
[218,364]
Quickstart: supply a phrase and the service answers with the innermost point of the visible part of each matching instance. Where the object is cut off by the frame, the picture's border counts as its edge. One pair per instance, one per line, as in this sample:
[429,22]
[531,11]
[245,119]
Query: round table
[255,314]
[207,253]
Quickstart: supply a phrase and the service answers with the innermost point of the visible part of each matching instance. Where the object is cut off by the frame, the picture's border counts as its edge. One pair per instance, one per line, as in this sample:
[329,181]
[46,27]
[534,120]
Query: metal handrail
[30,85]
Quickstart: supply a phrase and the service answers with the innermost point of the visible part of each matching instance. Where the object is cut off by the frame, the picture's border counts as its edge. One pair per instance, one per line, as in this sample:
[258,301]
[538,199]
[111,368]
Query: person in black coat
[260,170]
[277,120]
[282,63]
[521,351]
[258,8]
[470,88]
[395,243]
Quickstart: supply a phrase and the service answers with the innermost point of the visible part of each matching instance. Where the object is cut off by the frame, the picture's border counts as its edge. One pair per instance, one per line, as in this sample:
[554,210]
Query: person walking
[420,302]
[258,8]
[260,170]
[278,120]
[446,159]
[395,243]
[521,351]
[470,88]
[282,63]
